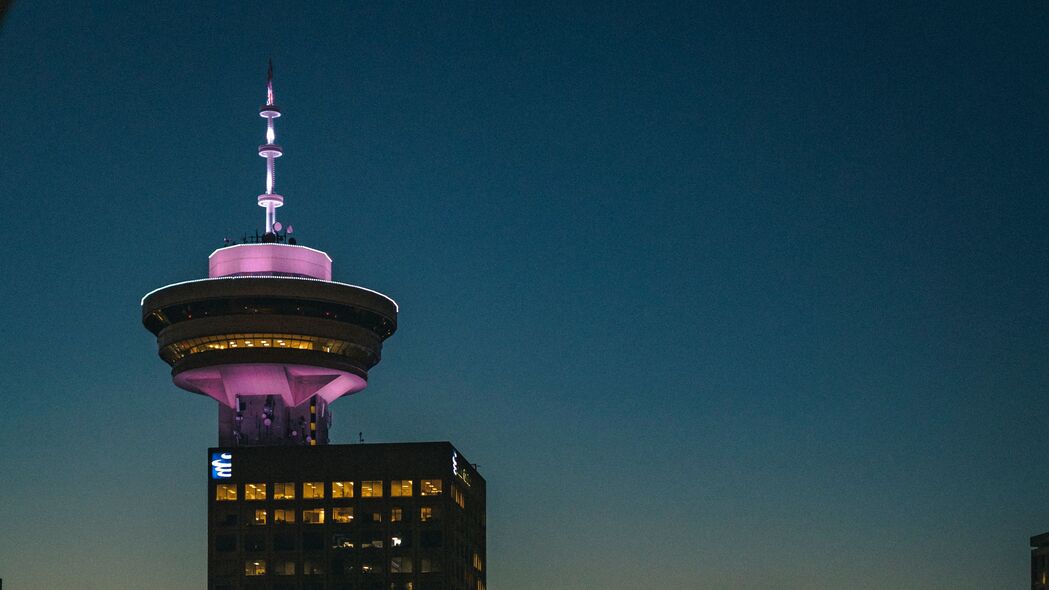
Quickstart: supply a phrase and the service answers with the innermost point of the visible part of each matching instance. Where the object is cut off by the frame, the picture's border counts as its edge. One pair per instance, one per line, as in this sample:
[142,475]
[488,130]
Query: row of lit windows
[341,515]
[397,565]
[315,490]
[176,351]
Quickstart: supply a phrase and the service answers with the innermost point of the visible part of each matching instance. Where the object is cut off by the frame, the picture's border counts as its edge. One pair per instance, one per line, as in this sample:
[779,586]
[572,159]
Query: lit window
[374,542]
[255,567]
[254,491]
[396,515]
[342,489]
[430,487]
[400,565]
[312,490]
[480,585]
[343,515]
[225,492]
[376,517]
[283,491]
[313,516]
[371,489]
[371,567]
[425,514]
[260,517]
[457,495]
[285,568]
[478,564]
[283,516]
[401,487]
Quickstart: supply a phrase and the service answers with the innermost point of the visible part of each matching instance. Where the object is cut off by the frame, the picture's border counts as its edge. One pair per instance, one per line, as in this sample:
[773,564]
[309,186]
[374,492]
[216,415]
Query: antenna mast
[271,151]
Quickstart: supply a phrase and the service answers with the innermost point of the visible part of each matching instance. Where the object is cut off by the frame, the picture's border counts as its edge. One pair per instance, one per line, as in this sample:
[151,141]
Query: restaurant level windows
[312,490]
[283,516]
[342,489]
[259,517]
[430,487]
[255,567]
[371,489]
[284,491]
[457,495]
[342,514]
[284,567]
[254,491]
[401,487]
[225,492]
[313,516]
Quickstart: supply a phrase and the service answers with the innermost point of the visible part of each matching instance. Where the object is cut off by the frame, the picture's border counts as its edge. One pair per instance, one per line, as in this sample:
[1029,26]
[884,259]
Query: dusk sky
[717,296]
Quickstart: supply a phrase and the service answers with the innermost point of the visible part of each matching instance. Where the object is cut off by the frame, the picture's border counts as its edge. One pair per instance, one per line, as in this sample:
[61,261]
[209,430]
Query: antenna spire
[271,151]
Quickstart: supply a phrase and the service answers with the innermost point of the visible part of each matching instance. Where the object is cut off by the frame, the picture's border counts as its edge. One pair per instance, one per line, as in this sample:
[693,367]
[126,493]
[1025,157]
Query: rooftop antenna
[271,151]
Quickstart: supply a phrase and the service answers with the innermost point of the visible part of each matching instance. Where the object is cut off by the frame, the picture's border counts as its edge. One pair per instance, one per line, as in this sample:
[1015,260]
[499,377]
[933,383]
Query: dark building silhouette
[1040,562]
[273,339]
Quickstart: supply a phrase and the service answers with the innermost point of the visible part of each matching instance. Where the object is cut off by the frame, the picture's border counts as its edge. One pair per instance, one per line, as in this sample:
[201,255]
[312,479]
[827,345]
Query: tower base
[265,420]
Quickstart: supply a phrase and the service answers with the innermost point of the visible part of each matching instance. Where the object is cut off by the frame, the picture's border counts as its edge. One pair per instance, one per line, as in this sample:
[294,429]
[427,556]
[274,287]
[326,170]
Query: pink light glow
[269,258]
[294,383]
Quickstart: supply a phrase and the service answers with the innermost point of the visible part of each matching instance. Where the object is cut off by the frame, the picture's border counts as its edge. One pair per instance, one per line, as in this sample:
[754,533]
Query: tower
[274,340]
[268,334]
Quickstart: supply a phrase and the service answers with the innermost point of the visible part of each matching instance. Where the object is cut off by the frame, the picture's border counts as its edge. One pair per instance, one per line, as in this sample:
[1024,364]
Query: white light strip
[396,307]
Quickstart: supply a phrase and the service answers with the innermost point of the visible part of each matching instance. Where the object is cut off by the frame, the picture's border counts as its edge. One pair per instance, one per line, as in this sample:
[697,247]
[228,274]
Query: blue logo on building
[221,465]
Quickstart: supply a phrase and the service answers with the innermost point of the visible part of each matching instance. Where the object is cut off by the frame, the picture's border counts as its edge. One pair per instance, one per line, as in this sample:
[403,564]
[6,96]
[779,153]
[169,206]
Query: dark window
[312,541]
[284,542]
[225,543]
[430,539]
[227,518]
[254,543]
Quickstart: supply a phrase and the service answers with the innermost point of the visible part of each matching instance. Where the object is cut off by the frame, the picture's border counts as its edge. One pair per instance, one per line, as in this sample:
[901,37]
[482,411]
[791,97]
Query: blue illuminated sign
[221,465]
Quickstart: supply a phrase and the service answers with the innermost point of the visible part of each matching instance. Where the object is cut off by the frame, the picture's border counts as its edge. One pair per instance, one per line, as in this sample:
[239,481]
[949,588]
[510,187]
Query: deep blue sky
[717,297]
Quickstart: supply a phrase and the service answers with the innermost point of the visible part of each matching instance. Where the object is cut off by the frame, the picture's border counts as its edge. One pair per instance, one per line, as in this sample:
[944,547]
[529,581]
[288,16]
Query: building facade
[403,516]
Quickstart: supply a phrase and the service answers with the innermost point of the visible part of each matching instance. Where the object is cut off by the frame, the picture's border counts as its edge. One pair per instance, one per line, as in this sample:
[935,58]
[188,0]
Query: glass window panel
[225,492]
[312,490]
[259,518]
[255,567]
[401,487]
[342,489]
[430,487]
[371,489]
[283,516]
[396,515]
[400,565]
[313,516]
[283,491]
[285,568]
[254,491]
[342,514]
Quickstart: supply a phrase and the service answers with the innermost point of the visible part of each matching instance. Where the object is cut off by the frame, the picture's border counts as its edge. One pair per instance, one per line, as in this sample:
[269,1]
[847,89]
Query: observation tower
[269,334]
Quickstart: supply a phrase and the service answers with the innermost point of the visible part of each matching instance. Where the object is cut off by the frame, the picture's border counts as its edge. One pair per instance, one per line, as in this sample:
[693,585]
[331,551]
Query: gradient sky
[717,296]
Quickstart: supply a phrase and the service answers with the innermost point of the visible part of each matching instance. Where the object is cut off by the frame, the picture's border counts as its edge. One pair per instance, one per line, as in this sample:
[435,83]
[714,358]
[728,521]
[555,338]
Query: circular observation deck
[263,335]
